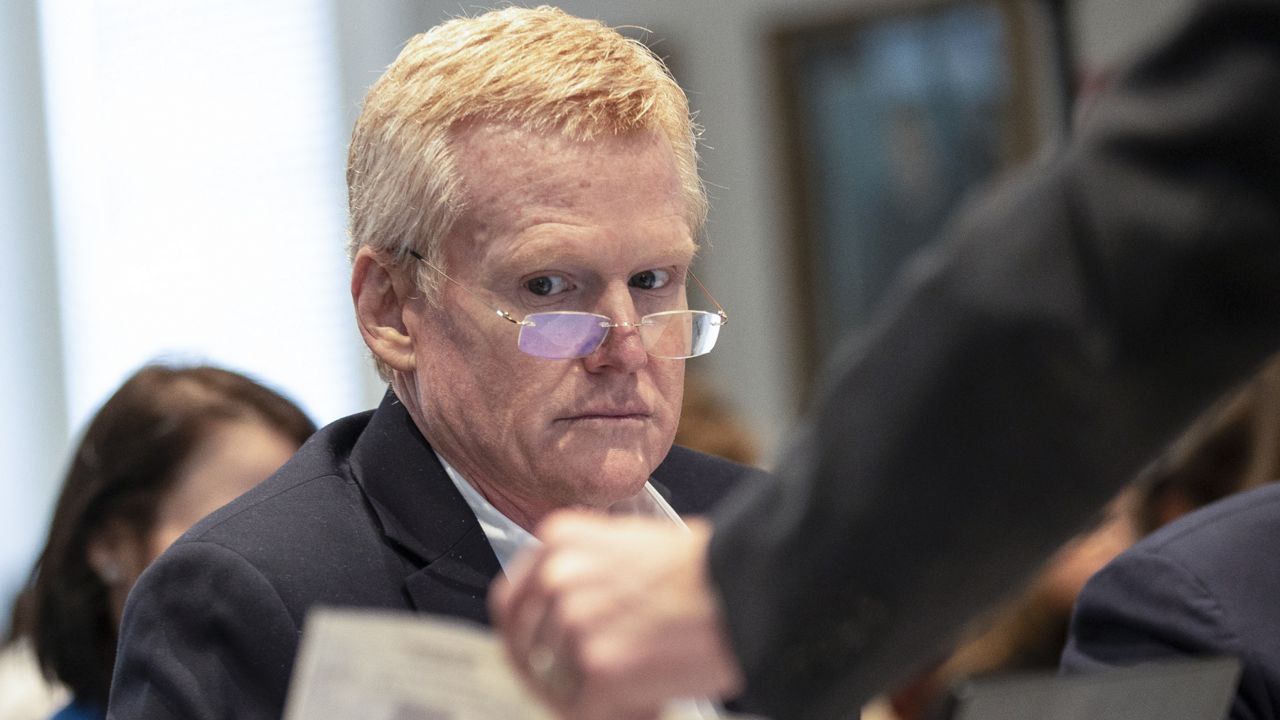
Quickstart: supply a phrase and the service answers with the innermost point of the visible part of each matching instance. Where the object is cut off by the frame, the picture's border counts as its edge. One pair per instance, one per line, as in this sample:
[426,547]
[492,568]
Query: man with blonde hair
[524,204]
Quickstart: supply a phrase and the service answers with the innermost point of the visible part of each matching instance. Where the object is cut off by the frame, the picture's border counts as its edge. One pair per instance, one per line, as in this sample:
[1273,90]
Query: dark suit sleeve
[1144,606]
[1062,331]
[204,637]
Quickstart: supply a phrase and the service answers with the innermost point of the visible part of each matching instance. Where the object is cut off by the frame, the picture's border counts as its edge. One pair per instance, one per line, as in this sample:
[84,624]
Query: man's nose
[622,348]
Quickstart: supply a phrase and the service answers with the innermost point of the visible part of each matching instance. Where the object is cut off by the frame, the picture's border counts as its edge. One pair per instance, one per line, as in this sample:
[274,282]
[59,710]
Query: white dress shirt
[508,539]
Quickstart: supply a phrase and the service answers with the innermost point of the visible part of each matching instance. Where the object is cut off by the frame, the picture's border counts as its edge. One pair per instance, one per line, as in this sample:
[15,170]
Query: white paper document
[374,665]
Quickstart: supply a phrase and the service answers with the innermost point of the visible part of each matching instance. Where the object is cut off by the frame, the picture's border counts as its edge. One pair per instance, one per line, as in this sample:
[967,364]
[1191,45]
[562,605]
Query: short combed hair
[538,69]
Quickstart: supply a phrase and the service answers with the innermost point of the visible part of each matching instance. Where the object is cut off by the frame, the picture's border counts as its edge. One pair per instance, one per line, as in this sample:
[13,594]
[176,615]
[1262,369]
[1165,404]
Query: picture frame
[890,117]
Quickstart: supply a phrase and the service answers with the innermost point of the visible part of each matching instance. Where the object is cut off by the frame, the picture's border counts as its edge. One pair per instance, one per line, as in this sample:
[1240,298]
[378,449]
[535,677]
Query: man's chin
[615,465]
[607,483]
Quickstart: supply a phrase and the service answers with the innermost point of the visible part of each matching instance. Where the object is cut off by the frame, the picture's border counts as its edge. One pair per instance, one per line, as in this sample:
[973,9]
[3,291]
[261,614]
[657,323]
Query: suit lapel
[422,513]
[457,582]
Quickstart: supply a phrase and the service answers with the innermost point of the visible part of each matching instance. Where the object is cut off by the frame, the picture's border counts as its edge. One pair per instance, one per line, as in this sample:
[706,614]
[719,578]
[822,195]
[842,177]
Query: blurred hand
[611,618]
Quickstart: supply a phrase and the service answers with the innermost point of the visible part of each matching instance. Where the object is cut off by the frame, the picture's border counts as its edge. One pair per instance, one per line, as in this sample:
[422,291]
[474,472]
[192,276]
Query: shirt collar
[507,538]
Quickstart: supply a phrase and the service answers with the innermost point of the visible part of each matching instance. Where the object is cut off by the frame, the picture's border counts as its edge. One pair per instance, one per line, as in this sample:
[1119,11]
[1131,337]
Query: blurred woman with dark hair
[169,447]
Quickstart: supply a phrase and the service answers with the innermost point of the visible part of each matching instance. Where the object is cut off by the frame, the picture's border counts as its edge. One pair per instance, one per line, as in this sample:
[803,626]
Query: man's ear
[379,302]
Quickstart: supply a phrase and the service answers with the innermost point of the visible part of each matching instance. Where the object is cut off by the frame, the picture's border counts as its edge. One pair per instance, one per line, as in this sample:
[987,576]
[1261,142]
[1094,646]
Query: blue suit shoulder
[1204,585]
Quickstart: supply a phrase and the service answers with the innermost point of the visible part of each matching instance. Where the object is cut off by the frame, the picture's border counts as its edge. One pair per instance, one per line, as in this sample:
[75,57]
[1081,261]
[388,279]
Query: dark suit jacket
[363,516]
[1207,584]
[1063,330]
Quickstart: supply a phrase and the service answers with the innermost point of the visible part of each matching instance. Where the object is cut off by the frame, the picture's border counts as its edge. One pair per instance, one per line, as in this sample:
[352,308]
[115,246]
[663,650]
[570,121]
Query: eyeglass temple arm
[500,313]
[724,317]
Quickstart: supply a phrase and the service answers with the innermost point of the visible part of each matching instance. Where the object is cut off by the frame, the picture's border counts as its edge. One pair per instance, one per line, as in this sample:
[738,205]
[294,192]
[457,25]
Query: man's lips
[624,413]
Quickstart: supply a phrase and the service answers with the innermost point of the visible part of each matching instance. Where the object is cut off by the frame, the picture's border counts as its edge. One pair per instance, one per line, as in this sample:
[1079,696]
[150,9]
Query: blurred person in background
[1025,633]
[167,448]
[1205,585]
[1234,446]
[1205,581]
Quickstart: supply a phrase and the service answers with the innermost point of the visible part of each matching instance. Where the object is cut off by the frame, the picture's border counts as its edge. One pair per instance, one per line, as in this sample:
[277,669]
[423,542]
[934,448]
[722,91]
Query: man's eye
[650,279]
[546,285]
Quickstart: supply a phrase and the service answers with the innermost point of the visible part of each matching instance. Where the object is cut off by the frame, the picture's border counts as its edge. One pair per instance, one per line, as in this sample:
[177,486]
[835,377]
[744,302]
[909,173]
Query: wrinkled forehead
[519,186]
[494,158]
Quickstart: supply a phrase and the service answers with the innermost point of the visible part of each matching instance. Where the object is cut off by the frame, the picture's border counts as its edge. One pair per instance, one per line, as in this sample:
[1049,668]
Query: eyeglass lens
[562,334]
[674,334]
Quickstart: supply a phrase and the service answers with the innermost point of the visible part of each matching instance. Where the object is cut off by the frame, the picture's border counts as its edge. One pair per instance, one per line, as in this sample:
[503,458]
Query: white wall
[33,428]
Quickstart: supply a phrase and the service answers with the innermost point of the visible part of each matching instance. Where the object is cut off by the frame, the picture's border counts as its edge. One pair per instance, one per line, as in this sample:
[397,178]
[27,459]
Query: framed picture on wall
[890,117]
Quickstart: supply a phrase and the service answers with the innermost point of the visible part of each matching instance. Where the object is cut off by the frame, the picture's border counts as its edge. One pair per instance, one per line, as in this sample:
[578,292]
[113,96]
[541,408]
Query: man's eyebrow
[536,253]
